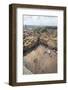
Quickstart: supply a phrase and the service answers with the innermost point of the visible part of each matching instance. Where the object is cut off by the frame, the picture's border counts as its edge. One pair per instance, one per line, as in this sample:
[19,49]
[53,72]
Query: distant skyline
[40,20]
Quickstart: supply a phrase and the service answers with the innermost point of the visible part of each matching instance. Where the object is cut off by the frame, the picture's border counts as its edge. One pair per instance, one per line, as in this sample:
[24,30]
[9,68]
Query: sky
[40,20]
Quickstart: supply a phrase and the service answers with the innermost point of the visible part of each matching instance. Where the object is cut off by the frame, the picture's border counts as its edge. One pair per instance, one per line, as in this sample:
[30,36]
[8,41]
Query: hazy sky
[40,20]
